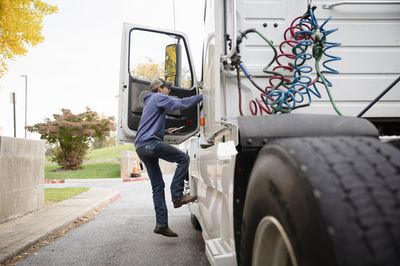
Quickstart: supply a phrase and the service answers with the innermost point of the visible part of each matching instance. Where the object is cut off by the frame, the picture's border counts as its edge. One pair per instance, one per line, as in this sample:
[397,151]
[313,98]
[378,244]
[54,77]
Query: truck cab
[300,185]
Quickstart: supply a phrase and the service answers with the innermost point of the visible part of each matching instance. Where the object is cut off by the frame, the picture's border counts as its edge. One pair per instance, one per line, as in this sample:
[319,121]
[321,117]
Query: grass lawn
[54,195]
[102,163]
[109,153]
[89,170]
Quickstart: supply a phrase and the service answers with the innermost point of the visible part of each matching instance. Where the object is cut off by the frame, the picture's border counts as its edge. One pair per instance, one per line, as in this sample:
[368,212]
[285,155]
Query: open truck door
[147,53]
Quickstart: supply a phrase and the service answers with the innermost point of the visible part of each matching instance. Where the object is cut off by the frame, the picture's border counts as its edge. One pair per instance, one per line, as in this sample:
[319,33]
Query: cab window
[157,54]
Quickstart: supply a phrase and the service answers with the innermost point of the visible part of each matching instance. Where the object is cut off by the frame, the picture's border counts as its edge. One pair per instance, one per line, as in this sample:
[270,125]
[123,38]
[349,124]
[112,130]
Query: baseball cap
[156,82]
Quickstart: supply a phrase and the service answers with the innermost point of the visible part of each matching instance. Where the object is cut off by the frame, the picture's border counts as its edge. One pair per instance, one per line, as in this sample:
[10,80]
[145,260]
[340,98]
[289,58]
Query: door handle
[342,3]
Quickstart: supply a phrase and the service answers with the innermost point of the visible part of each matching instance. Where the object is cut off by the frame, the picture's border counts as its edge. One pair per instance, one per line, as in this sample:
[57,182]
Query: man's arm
[171,103]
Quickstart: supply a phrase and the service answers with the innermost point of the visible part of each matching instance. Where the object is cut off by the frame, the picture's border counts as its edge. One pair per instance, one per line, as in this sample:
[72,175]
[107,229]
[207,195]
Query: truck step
[219,253]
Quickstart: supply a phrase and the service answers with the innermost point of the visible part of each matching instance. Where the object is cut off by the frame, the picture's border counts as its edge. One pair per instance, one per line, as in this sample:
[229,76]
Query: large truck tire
[323,201]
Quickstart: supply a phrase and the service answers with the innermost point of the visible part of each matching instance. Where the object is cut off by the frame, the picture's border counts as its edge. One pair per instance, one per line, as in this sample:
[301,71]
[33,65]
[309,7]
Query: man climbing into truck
[150,148]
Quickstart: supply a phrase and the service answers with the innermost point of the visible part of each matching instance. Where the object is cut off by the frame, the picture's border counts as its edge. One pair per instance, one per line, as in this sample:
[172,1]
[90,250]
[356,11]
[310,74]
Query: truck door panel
[148,53]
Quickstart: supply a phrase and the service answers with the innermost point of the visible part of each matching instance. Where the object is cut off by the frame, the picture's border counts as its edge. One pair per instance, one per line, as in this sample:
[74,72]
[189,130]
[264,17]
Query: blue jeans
[150,154]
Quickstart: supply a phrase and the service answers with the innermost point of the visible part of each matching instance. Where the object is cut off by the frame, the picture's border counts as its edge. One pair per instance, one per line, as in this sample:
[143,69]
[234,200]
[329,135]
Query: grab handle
[233,16]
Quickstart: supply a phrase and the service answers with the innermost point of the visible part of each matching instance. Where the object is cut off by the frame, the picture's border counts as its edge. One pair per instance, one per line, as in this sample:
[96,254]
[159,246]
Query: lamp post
[26,100]
[12,99]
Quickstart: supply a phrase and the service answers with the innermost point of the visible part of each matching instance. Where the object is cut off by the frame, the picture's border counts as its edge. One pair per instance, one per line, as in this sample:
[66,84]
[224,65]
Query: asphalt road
[122,234]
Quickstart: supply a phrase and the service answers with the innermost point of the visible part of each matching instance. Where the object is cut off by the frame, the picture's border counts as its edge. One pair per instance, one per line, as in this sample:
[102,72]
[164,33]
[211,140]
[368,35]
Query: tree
[73,135]
[106,141]
[21,23]
[103,141]
[148,70]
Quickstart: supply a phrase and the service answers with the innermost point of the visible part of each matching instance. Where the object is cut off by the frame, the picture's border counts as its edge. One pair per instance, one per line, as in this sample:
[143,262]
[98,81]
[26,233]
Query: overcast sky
[77,65]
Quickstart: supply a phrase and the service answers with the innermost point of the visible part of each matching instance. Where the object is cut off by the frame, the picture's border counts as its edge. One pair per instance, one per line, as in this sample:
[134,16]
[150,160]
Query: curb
[16,246]
[54,181]
[115,197]
[134,179]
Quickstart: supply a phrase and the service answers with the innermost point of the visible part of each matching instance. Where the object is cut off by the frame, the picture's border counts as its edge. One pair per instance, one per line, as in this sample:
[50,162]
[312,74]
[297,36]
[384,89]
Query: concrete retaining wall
[21,177]
[167,168]
[127,158]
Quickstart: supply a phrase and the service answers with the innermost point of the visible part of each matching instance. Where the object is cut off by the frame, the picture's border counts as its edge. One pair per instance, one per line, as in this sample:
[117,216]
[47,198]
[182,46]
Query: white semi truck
[288,166]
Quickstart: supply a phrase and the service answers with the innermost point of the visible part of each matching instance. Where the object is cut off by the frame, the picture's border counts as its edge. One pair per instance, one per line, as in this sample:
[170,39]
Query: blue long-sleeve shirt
[152,122]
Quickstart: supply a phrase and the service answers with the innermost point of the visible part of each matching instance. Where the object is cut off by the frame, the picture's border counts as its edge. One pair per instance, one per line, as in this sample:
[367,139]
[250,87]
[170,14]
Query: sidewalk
[20,233]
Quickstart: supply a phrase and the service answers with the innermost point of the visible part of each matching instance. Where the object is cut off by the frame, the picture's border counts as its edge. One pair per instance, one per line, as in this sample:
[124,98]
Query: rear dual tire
[323,201]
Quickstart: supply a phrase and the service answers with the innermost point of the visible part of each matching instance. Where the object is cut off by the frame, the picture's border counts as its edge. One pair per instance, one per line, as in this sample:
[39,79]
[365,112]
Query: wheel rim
[271,245]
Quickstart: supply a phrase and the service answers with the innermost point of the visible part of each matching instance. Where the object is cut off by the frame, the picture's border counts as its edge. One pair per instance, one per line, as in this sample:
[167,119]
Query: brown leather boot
[165,231]
[183,200]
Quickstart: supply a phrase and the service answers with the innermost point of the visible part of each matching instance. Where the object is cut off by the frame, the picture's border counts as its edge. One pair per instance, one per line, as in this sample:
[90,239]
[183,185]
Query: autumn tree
[103,141]
[21,23]
[72,135]
[148,70]
[151,69]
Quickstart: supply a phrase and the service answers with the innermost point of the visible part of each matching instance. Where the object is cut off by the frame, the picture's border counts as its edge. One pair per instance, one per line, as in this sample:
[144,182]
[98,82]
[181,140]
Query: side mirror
[173,64]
